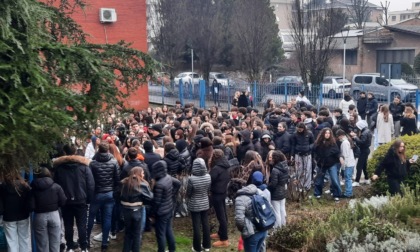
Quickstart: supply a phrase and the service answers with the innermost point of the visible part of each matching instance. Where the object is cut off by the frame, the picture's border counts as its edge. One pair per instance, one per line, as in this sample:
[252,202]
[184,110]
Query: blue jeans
[348,173]
[319,181]
[104,202]
[133,219]
[18,235]
[254,242]
[164,232]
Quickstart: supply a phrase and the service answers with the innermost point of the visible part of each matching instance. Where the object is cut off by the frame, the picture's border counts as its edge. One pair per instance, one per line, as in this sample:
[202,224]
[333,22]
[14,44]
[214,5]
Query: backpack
[264,217]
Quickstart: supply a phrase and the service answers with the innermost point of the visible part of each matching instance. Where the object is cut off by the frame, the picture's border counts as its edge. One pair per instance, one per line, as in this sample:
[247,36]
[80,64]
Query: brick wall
[130,27]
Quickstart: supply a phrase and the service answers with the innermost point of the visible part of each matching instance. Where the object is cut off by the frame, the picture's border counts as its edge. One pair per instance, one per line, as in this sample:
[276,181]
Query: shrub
[353,242]
[412,146]
[406,69]
[292,236]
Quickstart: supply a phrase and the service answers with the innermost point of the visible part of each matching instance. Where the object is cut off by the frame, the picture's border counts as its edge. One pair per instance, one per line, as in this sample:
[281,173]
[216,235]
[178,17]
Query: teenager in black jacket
[47,198]
[396,167]
[73,174]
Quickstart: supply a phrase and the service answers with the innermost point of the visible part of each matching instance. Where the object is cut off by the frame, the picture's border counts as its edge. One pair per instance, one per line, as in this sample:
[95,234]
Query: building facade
[396,17]
[124,21]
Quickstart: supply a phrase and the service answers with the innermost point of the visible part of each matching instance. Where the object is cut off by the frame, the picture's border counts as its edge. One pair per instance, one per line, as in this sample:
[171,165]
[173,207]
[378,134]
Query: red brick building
[130,26]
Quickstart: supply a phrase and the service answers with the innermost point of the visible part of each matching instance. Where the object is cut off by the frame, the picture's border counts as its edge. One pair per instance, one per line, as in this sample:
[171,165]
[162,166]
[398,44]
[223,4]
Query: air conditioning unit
[107,15]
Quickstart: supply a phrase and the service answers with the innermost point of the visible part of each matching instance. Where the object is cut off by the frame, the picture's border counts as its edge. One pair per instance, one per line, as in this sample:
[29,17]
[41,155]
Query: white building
[396,17]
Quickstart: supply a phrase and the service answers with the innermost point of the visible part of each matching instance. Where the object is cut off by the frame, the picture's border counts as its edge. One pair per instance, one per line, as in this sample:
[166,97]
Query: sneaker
[70,250]
[354,184]
[112,237]
[205,249]
[318,196]
[98,237]
[336,199]
[367,182]
[177,215]
[221,244]
[193,250]
[342,183]
[85,250]
[327,192]
[214,236]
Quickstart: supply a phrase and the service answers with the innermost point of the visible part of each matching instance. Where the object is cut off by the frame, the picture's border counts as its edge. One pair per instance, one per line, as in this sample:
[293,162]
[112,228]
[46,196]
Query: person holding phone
[396,166]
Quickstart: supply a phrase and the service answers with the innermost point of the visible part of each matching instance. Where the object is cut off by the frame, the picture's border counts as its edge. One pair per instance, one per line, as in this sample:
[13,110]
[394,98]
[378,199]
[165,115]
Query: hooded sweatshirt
[198,187]
[47,196]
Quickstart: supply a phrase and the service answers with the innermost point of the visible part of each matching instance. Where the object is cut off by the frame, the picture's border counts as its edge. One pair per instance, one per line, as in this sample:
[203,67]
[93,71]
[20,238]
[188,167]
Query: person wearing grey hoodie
[253,239]
[198,189]
[363,140]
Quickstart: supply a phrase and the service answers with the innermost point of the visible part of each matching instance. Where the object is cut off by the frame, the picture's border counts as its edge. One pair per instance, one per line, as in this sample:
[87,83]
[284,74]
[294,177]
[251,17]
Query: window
[327,81]
[394,18]
[402,17]
[381,81]
[417,4]
[363,79]
[351,57]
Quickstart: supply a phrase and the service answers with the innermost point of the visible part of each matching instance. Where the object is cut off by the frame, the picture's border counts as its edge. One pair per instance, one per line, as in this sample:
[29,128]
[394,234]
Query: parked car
[381,87]
[187,78]
[161,77]
[334,86]
[220,78]
[293,84]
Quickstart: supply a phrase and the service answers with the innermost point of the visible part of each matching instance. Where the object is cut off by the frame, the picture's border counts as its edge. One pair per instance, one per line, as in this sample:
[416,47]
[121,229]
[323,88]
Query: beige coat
[385,129]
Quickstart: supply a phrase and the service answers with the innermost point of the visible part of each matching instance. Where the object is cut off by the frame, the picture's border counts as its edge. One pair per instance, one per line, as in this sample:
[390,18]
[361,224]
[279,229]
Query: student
[396,166]
[47,197]
[135,194]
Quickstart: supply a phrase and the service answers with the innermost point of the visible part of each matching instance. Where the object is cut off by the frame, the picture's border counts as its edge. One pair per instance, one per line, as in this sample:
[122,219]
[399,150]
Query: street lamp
[344,35]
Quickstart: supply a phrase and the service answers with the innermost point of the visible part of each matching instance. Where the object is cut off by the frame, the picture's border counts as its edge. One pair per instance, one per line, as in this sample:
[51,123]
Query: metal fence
[201,94]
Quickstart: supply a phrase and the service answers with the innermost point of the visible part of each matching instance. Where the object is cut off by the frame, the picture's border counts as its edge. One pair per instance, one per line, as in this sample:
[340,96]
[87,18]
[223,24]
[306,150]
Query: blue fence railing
[260,93]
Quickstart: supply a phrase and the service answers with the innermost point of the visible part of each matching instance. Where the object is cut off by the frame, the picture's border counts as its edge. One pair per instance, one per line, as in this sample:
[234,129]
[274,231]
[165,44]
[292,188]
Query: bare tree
[383,20]
[359,12]
[313,27]
[167,22]
[255,35]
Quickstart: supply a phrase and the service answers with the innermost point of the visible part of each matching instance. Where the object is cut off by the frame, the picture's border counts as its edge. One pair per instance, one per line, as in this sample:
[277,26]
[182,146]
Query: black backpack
[264,217]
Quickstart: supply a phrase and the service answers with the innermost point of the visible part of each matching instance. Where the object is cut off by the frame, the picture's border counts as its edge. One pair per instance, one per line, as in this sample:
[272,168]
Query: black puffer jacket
[175,164]
[130,165]
[327,156]
[256,135]
[364,140]
[396,110]
[14,206]
[75,177]
[283,142]
[278,179]
[163,191]
[150,158]
[302,143]
[47,196]
[220,176]
[105,172]
[371,106]
[246,144]
[142,194]
[186,156]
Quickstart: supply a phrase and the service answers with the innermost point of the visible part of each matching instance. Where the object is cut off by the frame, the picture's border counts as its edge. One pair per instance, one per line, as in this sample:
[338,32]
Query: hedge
[412,146]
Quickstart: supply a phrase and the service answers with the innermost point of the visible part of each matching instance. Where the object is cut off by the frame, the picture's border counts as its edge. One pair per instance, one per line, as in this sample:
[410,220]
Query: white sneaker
[98,237]
[342,183]
[70,250]
[112,237]
[367,182]
[318,197]
[327,191]
[354,184]
[177,215]
[85,250]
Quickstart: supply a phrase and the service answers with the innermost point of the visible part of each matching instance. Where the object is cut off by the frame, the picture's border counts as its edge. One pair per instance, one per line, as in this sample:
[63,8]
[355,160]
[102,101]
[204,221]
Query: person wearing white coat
[345,103]
[385,125]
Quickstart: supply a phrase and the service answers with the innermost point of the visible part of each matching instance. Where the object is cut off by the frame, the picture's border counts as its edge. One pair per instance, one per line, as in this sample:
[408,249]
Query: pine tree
[44,60]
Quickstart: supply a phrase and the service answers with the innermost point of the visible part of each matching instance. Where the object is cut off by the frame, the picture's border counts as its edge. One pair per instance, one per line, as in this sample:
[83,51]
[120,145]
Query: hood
[245,136]
[307,120]
[361,124]
[103,157]
[256,134]
[265,134]
[262,187]
[248,190]
[71,159]
[159,169]
[181,145]
[42,183]
[282,166]
[199,167]
[222,162]
[219,147]
[173,154]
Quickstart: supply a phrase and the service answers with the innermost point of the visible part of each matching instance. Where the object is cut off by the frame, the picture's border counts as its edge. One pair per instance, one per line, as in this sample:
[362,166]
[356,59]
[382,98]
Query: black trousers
[78,212]
[362,164]
[200,222]
[219,204]
[394,186]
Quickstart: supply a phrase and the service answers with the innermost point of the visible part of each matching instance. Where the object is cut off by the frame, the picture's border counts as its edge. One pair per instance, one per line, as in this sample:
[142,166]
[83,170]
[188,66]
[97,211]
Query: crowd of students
[140,170]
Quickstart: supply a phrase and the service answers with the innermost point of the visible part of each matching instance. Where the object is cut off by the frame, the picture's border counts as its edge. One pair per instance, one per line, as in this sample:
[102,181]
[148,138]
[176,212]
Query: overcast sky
[395,5]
